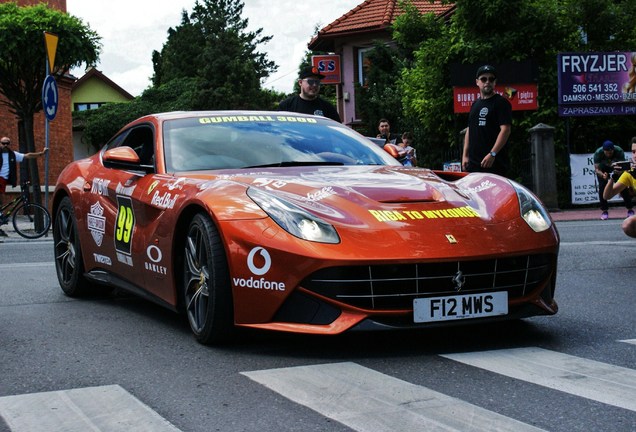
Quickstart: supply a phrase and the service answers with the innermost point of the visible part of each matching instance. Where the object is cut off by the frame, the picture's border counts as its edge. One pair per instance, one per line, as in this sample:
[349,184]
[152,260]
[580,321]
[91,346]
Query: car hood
[345,193]
[385,211]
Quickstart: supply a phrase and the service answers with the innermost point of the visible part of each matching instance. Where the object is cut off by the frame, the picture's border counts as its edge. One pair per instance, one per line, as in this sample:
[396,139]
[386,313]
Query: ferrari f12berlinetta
[289,222]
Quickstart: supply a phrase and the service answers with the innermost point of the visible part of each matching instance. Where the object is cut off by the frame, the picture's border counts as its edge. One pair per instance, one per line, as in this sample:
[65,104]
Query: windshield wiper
[296,163]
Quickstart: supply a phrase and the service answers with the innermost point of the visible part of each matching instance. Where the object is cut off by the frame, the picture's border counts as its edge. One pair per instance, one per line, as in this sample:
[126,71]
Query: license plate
[460,307]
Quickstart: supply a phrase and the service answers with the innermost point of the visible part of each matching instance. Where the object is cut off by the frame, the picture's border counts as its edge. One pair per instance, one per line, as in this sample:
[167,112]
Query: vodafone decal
[259,262]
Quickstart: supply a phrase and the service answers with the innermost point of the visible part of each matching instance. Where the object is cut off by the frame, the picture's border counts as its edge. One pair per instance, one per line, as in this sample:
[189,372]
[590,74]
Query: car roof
[189,114]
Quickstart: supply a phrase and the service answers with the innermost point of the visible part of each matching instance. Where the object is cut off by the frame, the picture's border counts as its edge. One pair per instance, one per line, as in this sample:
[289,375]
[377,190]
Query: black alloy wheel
[68,251]
[206,283]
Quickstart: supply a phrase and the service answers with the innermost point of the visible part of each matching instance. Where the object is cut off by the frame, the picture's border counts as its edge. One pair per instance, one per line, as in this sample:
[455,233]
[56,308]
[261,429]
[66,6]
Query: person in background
[624,181]
[410,158]
[8,166]
[489,126]
[604,158]
[384,127]
[309,100]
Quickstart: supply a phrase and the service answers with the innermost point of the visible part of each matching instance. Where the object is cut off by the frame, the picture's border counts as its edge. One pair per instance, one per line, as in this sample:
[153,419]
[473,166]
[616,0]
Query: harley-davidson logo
[96,223]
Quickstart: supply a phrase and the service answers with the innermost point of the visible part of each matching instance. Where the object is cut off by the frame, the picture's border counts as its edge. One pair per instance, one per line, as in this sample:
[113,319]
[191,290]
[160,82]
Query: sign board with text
[522,97]
[597,83]
[583,180]
[329,66]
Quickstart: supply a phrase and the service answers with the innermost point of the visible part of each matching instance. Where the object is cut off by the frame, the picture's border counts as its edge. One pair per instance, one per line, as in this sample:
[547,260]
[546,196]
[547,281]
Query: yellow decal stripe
[254,118]
[397,215]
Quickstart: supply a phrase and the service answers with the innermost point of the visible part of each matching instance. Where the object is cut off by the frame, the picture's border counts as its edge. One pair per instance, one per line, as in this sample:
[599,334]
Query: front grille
[391,287]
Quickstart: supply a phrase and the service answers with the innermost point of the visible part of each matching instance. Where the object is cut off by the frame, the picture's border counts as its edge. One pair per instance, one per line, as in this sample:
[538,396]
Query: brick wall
[60,133]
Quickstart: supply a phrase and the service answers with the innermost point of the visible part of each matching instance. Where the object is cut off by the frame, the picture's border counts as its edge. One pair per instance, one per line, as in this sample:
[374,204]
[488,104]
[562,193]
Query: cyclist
[8,168]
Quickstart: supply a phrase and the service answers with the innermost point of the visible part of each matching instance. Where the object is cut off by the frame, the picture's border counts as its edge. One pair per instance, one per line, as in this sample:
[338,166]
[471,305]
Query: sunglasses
[5,142]
[312,82]
[487,79]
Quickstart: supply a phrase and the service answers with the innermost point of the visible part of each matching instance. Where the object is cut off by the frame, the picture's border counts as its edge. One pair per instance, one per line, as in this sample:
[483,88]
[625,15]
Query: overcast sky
[132,29]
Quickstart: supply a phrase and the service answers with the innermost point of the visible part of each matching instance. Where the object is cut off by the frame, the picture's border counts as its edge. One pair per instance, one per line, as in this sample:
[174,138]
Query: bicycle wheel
[31,220]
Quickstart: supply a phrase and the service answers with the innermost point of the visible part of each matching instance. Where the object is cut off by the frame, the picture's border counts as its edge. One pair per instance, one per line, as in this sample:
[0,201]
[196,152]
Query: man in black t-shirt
[489,124]
[309,101]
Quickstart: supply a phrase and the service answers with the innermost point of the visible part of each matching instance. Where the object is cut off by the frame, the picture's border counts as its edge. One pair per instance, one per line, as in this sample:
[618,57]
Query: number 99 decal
[124,225]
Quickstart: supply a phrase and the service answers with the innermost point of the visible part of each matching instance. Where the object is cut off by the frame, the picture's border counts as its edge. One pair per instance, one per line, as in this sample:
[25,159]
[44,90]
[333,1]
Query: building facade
[352,36]
[91,91]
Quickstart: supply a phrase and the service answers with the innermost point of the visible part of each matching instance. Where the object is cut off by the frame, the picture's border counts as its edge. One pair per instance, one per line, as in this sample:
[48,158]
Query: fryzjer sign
[597,83]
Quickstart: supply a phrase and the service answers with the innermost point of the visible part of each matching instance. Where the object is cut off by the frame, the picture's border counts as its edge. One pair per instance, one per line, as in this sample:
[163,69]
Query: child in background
[411,158]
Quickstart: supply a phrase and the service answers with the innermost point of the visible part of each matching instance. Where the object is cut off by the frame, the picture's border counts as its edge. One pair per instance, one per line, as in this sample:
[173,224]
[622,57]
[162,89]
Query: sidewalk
[587,214]
[14,237]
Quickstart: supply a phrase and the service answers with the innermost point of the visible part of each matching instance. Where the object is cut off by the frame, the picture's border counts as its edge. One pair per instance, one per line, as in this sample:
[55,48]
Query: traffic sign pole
[49,103]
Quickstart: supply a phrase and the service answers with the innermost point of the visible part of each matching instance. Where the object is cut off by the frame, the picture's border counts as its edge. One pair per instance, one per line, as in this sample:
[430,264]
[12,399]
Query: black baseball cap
[310,71]
[486,69]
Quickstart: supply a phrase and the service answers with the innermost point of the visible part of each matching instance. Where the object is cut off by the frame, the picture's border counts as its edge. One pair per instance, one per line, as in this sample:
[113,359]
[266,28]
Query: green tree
[102,124]
[380,96]
[23,67]
[517,30]
[383,95]
[212,44]
[208,62]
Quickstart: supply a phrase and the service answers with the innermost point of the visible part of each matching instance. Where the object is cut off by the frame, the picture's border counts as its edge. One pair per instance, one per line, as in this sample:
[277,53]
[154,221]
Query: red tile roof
[374,15]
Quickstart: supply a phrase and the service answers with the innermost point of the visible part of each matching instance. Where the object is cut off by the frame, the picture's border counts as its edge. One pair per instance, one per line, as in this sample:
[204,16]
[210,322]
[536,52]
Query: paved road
[117,363]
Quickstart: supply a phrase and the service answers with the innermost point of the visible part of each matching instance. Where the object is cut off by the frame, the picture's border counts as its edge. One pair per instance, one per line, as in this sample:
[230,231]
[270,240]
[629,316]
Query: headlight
[532,211]
[294,219]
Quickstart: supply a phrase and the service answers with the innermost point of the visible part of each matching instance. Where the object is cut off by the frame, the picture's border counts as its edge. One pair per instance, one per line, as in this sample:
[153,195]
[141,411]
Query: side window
[141,139]
[117,141]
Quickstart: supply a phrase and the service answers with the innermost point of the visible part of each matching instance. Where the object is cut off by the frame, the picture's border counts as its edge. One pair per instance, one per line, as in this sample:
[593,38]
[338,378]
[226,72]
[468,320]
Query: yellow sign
[50,40]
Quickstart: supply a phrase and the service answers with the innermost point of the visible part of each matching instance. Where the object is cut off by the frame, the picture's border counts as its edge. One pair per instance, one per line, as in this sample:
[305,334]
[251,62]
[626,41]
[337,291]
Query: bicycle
[30,220]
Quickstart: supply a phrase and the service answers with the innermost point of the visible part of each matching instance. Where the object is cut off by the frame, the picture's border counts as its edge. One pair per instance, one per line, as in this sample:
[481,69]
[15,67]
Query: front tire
[69,263]
[206,283]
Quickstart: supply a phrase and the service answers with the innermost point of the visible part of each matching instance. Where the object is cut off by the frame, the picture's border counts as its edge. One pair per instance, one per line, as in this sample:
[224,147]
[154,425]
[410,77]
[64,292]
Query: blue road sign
[49,97]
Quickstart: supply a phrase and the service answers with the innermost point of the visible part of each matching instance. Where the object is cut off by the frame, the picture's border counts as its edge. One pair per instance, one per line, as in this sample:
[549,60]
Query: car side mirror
[125,158]
[394,150]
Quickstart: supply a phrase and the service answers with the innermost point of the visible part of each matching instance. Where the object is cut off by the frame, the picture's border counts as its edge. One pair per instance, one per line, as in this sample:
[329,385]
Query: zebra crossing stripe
[367,400]
[92,409]
[601,382]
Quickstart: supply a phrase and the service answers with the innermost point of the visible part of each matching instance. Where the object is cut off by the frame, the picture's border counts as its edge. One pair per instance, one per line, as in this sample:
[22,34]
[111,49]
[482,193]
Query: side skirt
[106,278]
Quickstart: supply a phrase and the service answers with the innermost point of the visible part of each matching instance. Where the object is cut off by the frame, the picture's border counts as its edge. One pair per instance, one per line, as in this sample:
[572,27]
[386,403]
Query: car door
[114,209]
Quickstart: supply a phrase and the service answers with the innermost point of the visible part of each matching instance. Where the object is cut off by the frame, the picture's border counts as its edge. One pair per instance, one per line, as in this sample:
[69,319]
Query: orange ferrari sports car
[289,222]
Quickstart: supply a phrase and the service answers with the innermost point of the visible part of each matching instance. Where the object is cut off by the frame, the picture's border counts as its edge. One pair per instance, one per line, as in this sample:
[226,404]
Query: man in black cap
[309,101]
[604,158]
[489,126]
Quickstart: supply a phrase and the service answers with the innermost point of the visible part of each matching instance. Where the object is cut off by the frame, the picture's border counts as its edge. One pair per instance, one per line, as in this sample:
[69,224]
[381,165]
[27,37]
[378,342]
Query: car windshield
[270,139]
